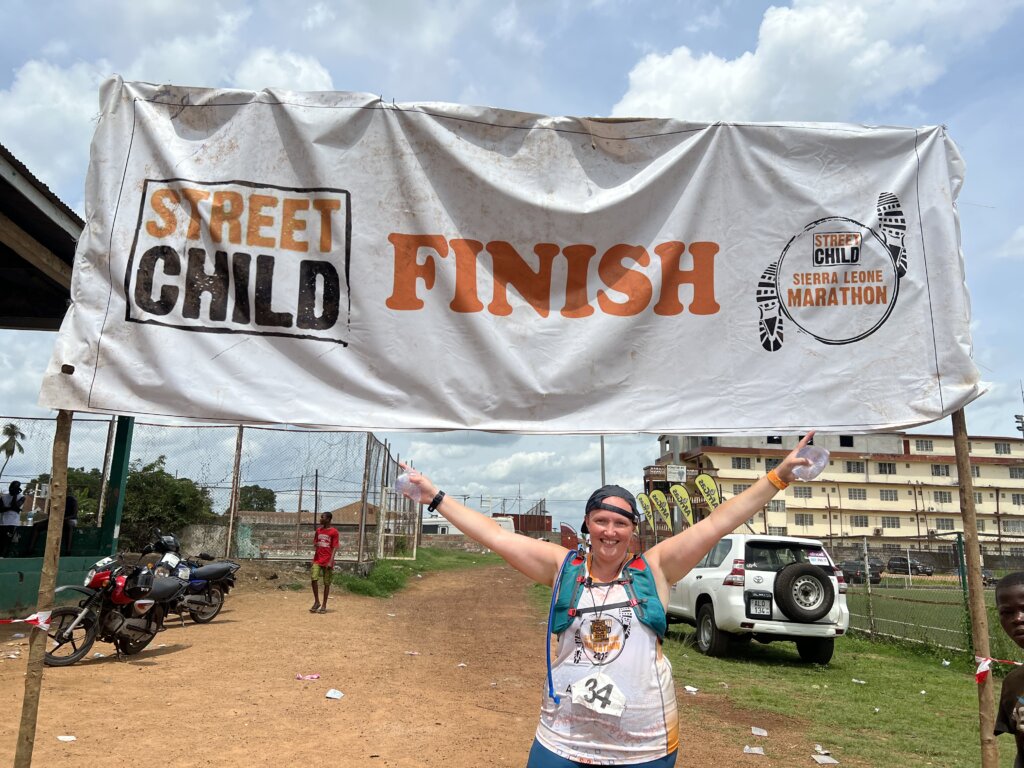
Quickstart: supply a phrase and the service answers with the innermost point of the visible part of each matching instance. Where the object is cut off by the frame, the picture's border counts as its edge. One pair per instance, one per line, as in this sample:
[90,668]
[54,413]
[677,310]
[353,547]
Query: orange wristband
[778,482]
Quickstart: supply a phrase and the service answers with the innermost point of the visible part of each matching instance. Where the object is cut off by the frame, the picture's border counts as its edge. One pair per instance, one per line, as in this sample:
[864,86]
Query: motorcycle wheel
[130,647]
[209,613]
[65,651]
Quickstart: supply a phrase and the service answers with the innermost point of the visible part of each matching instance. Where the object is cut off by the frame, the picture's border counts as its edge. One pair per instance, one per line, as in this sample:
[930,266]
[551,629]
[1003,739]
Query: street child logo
[237,257]
[838,279]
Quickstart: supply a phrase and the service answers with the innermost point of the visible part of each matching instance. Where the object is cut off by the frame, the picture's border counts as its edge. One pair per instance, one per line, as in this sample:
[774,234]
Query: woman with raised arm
[610,697]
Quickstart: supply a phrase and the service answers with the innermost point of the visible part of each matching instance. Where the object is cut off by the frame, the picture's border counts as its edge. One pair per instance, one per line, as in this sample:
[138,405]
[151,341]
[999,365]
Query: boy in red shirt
[325,541]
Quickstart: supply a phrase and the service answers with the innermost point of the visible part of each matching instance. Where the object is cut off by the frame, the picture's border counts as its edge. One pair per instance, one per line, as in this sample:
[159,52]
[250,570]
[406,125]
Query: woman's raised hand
[416,485]
[792,461]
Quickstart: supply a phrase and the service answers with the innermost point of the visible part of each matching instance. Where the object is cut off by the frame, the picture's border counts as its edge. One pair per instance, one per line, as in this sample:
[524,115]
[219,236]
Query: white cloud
[267,68]
[46,120]
[819,60]
[1013,248]
[508,27]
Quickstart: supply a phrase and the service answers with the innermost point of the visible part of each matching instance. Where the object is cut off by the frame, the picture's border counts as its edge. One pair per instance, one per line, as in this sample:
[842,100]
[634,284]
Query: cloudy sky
[891,62]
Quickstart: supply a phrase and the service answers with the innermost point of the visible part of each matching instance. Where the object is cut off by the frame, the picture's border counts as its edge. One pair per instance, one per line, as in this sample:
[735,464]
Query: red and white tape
[41,620]
[985,667]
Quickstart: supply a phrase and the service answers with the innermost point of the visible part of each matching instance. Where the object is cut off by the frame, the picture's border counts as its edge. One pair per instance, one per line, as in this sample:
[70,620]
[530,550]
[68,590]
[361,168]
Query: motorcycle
[206,586]
[123,604]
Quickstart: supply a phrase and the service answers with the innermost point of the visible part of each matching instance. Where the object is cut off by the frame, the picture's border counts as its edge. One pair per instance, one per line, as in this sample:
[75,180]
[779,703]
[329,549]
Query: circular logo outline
[785,309]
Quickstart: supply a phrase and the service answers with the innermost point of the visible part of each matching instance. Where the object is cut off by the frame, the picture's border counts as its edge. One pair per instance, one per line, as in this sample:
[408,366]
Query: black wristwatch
[436,502]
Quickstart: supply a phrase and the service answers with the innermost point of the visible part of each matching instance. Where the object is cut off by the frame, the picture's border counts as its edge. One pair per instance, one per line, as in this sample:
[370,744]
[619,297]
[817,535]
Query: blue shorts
[542,757]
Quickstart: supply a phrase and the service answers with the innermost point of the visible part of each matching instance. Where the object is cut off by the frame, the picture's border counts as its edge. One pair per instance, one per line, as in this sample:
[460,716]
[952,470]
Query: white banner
[330,259]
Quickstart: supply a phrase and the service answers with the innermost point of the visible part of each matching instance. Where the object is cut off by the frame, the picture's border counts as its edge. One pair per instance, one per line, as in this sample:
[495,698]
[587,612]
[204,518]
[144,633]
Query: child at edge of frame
[1010,711]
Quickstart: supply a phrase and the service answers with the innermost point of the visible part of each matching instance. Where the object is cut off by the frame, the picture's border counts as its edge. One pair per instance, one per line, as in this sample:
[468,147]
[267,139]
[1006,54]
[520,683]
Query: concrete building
[895,489]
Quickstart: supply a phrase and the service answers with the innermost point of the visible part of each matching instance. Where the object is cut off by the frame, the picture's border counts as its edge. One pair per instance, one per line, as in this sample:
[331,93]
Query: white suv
[767,588]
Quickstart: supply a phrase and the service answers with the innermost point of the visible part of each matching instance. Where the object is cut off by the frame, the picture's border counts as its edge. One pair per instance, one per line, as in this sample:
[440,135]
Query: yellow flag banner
[645,504]
[708,489]
[661,506]
[682,500]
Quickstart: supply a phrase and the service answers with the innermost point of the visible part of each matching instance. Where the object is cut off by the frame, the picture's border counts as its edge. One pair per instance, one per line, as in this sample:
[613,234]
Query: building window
[981,525]
[858,521]
[887,468]
[775,530]
[1017,551]
[924,446]
[846,441]
[975,471]
[890,522]
[1013,526]
[940,470]
[977,497]
[1018,499]
[944,523]
[707,441]
[771,463]
[943,497]
[804,519]
[1002,449]
[1017,473]
[855,467]
[857,494]
[777,505]
[774,439]
[802,492]
[738,488]
[741,462]
[889,494]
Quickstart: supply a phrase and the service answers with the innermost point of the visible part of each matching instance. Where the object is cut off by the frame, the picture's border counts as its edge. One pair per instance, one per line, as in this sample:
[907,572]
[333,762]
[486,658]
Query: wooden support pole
[366,489]
[976,593]
[47,585]
[233,505]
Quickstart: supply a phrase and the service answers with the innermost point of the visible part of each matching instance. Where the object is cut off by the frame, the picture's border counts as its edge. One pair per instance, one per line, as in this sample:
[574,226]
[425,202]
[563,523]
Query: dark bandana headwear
[596,501]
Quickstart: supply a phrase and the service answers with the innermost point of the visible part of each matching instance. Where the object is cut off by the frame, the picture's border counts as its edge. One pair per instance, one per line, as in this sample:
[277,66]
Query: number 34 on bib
[598,692]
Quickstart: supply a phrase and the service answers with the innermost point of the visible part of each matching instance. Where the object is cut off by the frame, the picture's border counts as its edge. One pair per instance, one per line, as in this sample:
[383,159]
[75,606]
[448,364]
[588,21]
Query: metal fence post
[867,582]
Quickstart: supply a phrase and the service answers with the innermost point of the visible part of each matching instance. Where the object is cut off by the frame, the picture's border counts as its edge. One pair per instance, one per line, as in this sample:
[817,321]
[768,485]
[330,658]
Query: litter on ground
[748,750]
[758,731]
[67,738]
[334,693]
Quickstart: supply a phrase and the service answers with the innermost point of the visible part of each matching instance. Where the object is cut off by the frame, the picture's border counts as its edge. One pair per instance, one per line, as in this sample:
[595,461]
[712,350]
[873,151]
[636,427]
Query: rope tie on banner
[41,620]
[985,667]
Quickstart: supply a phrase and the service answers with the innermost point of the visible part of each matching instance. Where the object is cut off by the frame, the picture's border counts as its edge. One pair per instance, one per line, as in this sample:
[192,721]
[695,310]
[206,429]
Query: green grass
[390,576]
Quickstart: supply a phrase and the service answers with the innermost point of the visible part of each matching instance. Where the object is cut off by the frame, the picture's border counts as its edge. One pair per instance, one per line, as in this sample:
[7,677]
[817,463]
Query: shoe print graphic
[837,280]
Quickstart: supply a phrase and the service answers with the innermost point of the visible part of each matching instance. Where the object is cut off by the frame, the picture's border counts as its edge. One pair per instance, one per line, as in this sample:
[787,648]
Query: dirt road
[447,673]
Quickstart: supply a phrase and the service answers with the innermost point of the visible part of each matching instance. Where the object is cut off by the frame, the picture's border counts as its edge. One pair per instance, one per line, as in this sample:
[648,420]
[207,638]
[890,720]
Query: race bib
[598,692]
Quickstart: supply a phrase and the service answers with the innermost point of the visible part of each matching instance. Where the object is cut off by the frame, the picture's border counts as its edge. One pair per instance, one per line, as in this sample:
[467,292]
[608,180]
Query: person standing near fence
[325,545]
[11,503]
[1010,713]
[610,698]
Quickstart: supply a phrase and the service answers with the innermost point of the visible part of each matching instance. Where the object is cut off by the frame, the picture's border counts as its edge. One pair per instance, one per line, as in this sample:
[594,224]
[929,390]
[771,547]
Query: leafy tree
[11,434]
[85,485]
[154,498]
[254,498]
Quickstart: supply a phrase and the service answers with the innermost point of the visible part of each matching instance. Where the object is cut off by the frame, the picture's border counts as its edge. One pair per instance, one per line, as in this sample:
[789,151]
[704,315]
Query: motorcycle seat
[164,588]
[212,572]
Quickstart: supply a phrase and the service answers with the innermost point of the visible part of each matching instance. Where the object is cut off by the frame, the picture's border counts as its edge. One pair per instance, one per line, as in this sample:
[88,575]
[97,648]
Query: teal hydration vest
[636,578]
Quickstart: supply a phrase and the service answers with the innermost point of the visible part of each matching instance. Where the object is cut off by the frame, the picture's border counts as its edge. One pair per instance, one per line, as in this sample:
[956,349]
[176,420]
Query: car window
[717,555]
[776,555]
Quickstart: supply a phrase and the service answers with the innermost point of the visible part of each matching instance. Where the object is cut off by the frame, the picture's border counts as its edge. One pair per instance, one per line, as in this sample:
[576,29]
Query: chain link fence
[918,593]
[285,479]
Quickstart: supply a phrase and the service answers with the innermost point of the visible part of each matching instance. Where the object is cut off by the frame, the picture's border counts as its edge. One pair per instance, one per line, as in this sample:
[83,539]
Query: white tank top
[618,700]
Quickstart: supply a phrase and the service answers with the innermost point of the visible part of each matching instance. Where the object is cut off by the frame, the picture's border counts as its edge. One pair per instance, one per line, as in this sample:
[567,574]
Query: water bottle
[406,487]
[819,459]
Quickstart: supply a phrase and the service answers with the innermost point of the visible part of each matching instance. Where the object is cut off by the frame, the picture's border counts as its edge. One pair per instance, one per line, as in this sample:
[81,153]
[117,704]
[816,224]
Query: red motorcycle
[123,605]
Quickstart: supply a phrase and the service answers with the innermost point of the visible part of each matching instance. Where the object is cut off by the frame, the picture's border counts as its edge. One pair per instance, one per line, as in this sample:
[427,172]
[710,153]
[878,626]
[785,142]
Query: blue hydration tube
[551,619]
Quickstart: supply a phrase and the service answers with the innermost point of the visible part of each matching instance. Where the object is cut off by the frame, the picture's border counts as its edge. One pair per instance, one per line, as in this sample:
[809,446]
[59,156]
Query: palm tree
[12,434]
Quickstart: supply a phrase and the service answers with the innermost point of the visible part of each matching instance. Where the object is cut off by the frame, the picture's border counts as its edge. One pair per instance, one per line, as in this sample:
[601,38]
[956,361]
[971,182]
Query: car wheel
[817,650]
[711,641]
[804,592]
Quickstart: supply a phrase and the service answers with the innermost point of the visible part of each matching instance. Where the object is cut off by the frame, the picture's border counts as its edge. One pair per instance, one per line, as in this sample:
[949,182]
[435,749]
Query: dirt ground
[447,673]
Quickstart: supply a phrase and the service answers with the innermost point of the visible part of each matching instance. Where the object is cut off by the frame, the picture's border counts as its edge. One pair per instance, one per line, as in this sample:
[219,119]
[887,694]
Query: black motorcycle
[124,604]
[206,586]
